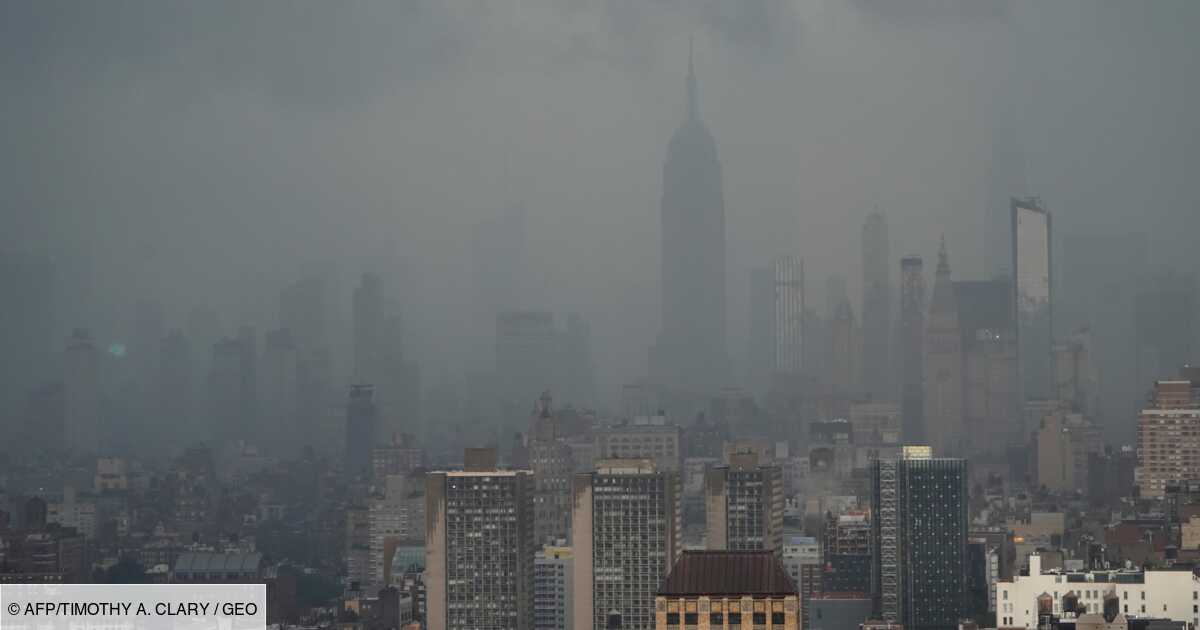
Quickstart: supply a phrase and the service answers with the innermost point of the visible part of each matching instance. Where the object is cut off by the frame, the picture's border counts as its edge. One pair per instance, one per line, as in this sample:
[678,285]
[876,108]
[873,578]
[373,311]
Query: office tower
[919,511]
[1076,378]
[526,359]
[280,391]
[846,549]
[744,504]
[912,348]
[709,589]
[875,423]
[553,588]
[145,335]
[944,366]
[990,392]
[788,322]
[81,388]
[551,460]
[229,410]
[654,437]
[844,351]
[876,308]
[175,392]
[760,336]
[395,517]
[361,427]
[1033,298]
[577,374]
[319,414]
[27,325]
[479,547]
[398,390]
[306,308]
[802,560]
[1169,435]
[1165,317]
[368,329]
[690,351]
[625,530]
[1063,444]
[499,267]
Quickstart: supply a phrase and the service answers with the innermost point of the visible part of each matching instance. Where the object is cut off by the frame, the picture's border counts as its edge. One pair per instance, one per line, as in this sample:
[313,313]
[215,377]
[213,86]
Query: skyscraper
[1033,298]
[789,314]
[361,428]
[479,548]
[174,390]
[1169,435]
[912,348]
[744,505]
[944,366]
[552,463]
[625,530]
[280,391]
[919,511]
[368,329]
[876,308]
[81,385]
[690,352]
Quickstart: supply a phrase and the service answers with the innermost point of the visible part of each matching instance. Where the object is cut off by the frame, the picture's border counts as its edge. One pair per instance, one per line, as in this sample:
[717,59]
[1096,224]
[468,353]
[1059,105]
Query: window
[777,619]
[716,619]
[760,618]
[691,618]
[735,619]
[673,619]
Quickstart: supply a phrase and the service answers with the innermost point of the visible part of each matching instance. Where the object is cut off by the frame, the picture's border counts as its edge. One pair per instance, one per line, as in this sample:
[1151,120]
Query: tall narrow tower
[944,366]
[690,352]
[876,308]
[912,347]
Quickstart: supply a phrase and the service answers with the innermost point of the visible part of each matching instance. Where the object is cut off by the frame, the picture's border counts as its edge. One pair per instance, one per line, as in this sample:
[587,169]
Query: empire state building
[690,352]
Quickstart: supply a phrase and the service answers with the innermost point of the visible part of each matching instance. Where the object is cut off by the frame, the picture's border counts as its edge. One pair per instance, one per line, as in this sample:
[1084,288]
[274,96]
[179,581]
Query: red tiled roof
[728,573]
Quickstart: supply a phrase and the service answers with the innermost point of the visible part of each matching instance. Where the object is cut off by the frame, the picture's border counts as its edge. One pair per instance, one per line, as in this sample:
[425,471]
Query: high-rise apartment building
[744,504]
[479,549]
[1169,435]
[626,528]
[802,559]
[396,516]
[919,528]
[553,463]
[553,588]
[846,548]
[653,437]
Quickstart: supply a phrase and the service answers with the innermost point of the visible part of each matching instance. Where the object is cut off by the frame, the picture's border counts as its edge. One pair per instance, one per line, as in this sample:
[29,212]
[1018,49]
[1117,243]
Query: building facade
[727,589]
[744,505]
[1169,437]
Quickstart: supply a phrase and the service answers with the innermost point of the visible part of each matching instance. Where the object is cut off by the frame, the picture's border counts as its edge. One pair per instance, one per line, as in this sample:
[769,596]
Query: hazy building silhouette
[690,352]
[280,392]
[844,352]
[944,366]
[28,340]
[227,414]
[911,340]
[81,387]
[776,336]
[876,308]
[990,389]
[919,511]
[361,429]
[760,334]
[368,319]
[175,390]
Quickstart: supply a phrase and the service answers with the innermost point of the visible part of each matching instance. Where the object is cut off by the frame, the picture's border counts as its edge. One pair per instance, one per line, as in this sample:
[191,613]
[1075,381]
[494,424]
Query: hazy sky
[197,152]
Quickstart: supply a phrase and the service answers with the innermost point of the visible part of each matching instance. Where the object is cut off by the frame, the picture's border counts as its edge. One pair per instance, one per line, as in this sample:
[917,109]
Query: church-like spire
[693,96]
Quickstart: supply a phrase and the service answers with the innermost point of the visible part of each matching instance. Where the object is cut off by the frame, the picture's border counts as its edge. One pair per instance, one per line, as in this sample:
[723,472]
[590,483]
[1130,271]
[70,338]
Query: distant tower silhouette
[944,366]
[876,308]
[690,351]
[912,347]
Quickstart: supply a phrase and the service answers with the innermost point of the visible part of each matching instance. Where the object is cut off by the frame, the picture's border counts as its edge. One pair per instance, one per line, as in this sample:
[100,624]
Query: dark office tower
[690,352]
[744,505]
[148,330]
[305,308]
[1166,317]
[911,341]
[625,530]
[578,377]
[399,392]
[919,512]
[876,308]
[788,323]
[844,350]
[944,415]
[361,420]
[175,391]
[1032,296]
[988,342]
[227,415]
[27,334]
[280,393]
[479,547]
[81,389]
[368,329]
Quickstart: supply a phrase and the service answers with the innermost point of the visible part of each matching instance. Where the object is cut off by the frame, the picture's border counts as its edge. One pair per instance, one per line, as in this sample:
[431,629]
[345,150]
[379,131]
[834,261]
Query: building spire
[693,96]
[943,258]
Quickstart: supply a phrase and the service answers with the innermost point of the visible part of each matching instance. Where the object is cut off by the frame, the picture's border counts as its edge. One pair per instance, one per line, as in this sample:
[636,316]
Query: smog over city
[325,256]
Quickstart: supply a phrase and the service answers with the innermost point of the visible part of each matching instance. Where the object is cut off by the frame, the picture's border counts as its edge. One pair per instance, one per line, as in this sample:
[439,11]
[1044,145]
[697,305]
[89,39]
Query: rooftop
[728,573]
